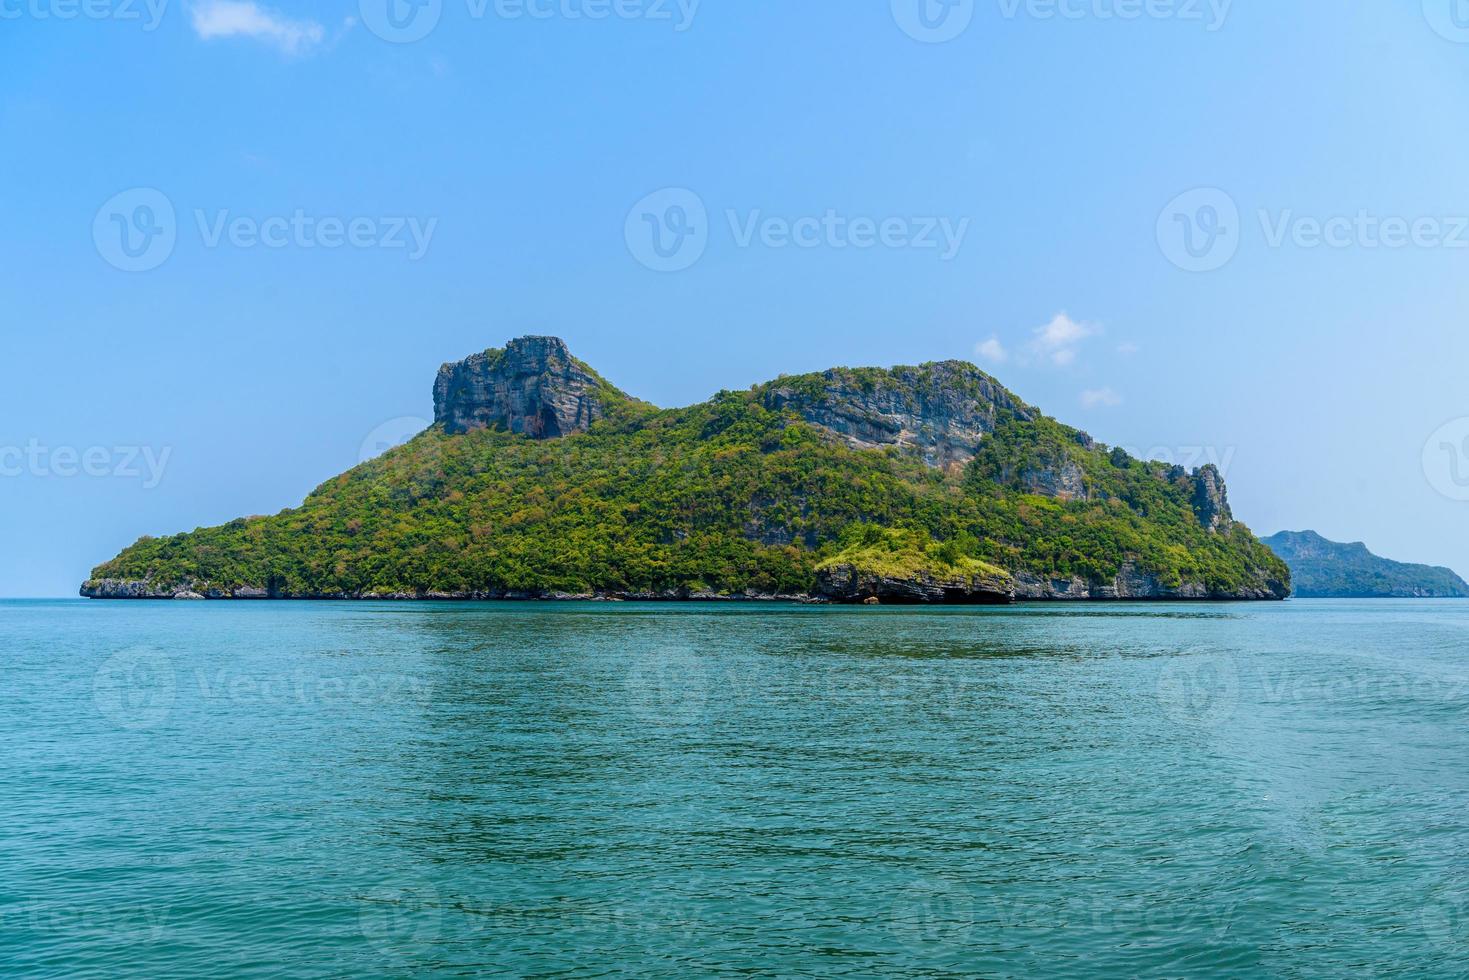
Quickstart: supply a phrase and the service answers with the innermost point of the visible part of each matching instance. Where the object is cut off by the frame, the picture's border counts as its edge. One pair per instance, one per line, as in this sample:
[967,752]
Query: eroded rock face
[1211,501]
[115,588]
[1062,479]
[533,387]
[845,583]
[942,411]
[112,588]
[1133,583]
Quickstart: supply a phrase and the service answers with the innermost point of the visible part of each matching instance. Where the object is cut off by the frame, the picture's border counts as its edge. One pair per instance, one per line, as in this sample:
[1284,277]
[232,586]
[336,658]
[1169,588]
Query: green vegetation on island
[740,494]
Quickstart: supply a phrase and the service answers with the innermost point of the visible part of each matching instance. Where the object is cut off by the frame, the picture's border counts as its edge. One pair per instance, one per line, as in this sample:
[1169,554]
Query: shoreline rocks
[847,583]
[838,584]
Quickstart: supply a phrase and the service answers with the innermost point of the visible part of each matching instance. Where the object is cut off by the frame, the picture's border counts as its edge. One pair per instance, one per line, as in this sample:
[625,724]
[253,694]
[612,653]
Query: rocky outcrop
[1211,501]
[847,583]
[126,589]
[115,588]
[1132,583]
[533,387]
[941,411]
[1062,479]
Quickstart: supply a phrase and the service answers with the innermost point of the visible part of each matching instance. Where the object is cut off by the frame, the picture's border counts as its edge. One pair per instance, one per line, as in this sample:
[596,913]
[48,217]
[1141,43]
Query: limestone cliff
[533,387]
[850,584]
[1211,501]
[941,411]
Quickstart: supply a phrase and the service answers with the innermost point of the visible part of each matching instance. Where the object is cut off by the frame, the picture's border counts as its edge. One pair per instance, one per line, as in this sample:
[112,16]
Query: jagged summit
[532,387]
[942,410]
[535,387]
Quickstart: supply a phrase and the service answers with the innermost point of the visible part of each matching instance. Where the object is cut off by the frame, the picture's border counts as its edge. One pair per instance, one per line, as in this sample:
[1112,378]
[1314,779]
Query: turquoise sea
[325,790]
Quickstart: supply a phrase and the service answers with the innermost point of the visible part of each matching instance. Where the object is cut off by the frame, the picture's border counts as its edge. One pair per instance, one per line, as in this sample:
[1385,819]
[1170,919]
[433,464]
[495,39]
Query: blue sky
[1227,232]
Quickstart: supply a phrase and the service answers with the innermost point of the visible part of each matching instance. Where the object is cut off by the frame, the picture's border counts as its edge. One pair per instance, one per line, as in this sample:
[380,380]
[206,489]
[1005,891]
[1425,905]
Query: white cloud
[1100,398]
[1060,340]
[993,351]
[245,18]
[1128,349]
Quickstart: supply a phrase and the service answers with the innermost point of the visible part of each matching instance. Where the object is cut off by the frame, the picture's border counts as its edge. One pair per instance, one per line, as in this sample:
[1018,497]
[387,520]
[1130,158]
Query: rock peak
[1210,499]
[532,387]
[942,410]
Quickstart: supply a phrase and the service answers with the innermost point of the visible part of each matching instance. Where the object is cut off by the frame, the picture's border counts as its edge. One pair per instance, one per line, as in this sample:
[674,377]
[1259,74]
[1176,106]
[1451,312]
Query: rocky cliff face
[849,584]
[1133,583]
[110,588]
[941,411]
[533,387]
[1211,502]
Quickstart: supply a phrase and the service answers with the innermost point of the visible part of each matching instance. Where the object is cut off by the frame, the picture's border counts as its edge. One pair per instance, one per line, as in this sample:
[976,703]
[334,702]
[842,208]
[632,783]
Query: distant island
[540,479]
[1323,569]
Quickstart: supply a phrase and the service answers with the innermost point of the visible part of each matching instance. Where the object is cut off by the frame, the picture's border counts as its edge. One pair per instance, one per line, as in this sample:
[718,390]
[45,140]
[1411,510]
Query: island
[539,479]
[1323,569]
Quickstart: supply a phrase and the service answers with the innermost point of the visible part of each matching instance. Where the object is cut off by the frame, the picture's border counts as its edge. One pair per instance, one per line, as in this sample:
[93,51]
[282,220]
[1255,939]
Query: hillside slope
[1323,569]
[539,478]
